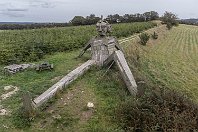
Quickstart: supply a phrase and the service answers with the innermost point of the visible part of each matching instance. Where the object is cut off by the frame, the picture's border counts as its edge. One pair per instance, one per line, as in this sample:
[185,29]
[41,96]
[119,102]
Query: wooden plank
[64,82]
[125,72]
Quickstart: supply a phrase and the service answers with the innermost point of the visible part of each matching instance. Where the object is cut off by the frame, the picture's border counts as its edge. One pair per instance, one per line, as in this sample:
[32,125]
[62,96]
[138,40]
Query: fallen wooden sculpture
[105,50]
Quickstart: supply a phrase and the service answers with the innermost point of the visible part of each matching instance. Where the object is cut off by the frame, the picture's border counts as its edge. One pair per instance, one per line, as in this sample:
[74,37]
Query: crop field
[30,45]
[170,61]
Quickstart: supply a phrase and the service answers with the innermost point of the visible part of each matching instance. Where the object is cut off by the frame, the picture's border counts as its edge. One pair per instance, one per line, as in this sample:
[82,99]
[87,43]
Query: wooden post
[29,110]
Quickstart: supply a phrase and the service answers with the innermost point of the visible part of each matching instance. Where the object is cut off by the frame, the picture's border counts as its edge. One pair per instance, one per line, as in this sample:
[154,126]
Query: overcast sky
[65,10]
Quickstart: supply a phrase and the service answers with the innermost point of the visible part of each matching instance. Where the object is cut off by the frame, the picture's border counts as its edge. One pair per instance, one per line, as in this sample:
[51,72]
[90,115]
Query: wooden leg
[125,72]
[64,82]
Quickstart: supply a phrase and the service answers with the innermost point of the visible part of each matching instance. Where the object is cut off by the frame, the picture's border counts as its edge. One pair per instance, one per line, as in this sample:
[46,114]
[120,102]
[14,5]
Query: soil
[8,92]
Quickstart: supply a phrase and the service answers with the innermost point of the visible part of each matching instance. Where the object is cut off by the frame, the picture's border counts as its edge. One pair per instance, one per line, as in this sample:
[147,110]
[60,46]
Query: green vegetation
[160,109]
[168,92]
[165,70]
[170,19]
[154,35]
[144,38]
[31,45]
[173,61]
[36,83]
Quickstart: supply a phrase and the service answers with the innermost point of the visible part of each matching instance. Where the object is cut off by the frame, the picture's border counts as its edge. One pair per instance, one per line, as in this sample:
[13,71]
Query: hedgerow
[30,45]
[159,110]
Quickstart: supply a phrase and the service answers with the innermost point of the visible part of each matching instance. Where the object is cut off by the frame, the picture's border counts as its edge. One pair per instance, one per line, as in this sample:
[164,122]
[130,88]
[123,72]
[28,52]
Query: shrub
[159,111]
[154,35]
[169,26]
[170,19]
[144,38]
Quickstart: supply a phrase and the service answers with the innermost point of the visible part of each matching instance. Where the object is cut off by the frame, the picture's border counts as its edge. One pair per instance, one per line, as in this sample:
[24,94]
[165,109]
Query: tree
[147,16]
[92,19]
[170,19]
[78,20]
[114,18]
[126,18]
[154,15]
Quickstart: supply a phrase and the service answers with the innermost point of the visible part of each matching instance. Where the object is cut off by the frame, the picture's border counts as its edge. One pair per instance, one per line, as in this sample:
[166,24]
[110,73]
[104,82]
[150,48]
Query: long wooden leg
[64,82]
[125,72]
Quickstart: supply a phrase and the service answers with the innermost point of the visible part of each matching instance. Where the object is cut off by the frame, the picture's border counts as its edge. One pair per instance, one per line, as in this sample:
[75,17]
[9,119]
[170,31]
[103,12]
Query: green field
[170,61]
[30,45]
[173,60]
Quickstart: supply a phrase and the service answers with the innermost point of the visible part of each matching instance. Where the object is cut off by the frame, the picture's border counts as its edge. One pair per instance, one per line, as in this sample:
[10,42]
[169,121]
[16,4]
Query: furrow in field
[179,42]
[189,43]
[173,61]
[194,51]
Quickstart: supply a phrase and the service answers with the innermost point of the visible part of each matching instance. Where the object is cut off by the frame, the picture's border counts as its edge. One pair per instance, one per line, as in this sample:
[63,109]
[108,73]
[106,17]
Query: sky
[65,10]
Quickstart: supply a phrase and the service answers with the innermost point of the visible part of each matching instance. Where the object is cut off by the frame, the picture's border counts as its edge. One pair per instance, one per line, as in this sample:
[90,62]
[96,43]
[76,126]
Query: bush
[154,35]
[144,38]
[169,26]
[158,111]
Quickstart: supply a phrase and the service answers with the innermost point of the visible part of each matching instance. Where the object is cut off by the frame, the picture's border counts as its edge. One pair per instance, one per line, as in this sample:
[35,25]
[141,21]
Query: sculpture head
[103,27]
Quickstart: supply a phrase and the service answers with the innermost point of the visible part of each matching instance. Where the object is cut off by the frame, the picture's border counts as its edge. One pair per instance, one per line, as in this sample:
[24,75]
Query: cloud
[17,10]
[12,14]
[48,5]
[44,3]
[13,9]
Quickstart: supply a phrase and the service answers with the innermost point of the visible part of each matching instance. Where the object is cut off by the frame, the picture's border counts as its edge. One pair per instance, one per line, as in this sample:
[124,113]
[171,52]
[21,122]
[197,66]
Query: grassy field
[173,60]
[169,61]
[70,104]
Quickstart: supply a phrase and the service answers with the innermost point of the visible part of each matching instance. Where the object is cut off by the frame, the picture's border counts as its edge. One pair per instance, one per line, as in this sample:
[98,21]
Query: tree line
[116,18]
[93,19]
[31,26]
[189,21]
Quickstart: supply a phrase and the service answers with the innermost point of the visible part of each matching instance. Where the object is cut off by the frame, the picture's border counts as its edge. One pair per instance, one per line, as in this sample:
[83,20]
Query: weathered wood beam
[125,72]
[64,82]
